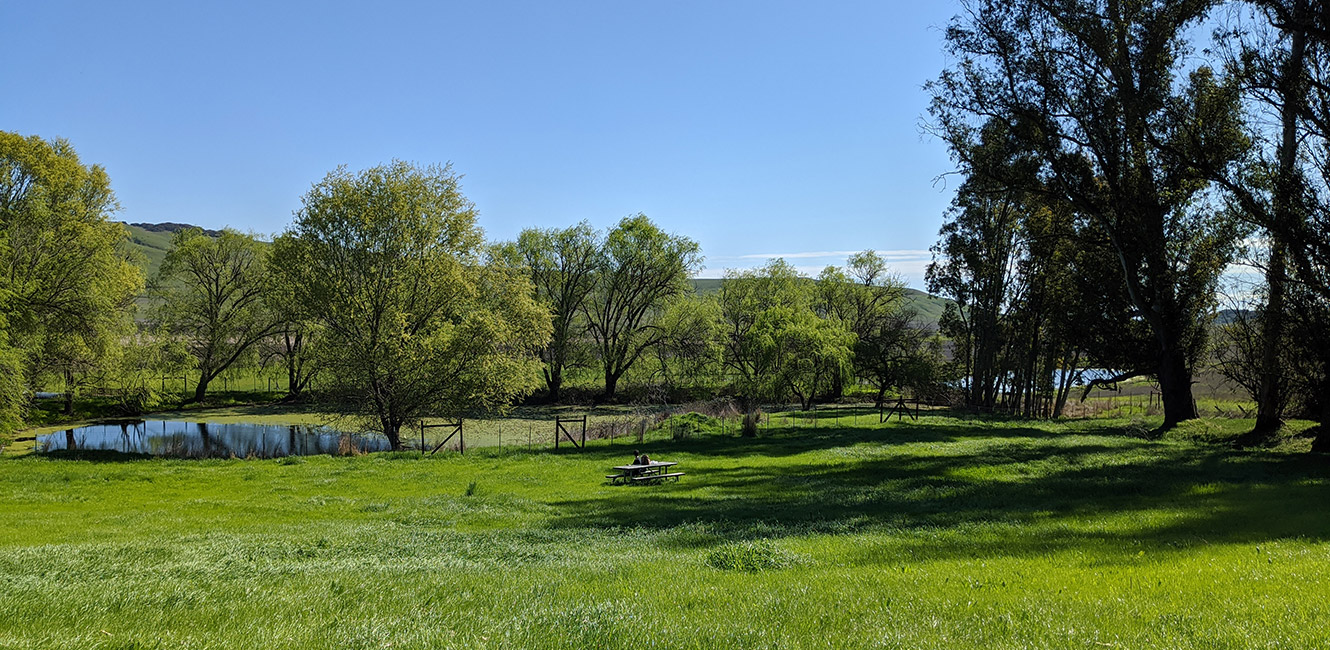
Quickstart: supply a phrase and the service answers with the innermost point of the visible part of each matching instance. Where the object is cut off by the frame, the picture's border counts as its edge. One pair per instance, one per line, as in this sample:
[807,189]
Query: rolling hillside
[151,241]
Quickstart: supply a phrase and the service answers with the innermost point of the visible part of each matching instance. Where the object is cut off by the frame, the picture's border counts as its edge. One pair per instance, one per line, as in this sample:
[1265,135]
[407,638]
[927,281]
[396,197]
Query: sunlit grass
[945,533]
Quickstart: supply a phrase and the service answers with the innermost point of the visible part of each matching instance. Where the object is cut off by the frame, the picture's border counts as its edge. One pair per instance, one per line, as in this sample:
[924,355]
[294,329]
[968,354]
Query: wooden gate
[560,429]
[456,431]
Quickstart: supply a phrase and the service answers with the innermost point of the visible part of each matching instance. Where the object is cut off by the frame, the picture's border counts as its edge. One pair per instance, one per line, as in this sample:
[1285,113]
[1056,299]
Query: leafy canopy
[413,321]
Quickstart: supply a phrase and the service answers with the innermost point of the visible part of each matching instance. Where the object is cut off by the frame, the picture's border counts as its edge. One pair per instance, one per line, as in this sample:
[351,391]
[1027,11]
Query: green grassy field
[944,533]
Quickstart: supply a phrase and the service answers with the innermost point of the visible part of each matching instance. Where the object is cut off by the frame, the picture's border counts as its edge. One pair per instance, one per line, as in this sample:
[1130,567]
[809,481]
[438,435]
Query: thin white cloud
[901,254]
[796,256]
[907,264]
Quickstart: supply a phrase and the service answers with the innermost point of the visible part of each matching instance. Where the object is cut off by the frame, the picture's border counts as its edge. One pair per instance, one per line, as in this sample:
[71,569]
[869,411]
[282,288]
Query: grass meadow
[941,533]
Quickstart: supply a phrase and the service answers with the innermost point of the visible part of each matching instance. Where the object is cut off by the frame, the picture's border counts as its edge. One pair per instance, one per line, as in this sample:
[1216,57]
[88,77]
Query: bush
[684,426]
[137,400]
[751,421]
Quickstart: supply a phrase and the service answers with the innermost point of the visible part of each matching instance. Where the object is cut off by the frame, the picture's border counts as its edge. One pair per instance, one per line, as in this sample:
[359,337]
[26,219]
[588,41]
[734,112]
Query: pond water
[181,439]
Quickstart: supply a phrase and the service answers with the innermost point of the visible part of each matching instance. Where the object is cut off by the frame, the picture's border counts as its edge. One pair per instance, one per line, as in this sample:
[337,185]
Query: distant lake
[182,439]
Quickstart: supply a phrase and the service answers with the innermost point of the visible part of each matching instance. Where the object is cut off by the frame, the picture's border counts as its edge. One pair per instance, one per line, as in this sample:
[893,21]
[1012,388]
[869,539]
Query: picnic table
[652,472]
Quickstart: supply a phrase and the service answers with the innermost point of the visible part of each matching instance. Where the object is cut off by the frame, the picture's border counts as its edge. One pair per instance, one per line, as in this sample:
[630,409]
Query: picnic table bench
[653,472]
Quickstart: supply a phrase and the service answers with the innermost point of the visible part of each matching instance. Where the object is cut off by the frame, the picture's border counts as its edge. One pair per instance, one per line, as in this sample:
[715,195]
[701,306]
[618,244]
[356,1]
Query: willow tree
[66,278]
[1100,93]
[211,298]
[775,344]
[639,269]
[413,322]
[562,265]
[866,300]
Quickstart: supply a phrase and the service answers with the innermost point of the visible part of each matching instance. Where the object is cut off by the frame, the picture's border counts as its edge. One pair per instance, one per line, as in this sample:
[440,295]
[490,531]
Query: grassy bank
[938,534]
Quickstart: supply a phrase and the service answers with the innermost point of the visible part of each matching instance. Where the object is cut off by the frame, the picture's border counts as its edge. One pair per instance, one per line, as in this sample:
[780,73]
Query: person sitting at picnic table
[645,460]
[637,457]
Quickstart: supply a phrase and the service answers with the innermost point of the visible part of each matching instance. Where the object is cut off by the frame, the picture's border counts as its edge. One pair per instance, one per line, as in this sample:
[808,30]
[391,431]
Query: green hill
[151,245]
[152,240]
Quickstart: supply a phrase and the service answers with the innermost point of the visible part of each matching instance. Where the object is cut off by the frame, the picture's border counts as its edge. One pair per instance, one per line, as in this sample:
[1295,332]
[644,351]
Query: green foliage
[296,337]
[69,278]
[562,265]
[210,293]
[1024,283]
[13,391]
[683,426]
[640,268]
[143,360]
[689,351]
[1123,134]
[776,346]
[893,350]
[388,262]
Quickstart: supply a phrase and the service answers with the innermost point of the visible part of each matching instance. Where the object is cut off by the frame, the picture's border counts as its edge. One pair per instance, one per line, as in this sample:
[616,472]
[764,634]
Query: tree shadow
[1025,491]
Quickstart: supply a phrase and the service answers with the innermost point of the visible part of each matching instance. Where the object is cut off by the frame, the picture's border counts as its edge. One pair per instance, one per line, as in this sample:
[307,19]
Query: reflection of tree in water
[200,440]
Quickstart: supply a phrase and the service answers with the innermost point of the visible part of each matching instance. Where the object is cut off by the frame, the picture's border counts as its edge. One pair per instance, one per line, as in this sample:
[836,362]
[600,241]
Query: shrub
[684,426]
[751,421]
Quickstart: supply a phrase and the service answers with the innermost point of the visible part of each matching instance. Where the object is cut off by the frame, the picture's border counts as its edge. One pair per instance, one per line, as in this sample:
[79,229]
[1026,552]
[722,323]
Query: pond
[181,439]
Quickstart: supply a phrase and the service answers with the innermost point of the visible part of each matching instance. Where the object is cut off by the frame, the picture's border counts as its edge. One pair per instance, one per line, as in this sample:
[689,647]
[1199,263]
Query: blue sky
[756,128]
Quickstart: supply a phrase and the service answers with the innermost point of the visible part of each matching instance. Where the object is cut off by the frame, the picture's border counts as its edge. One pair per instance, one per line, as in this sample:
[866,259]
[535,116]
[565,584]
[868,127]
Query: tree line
[385,294]
[1113,168]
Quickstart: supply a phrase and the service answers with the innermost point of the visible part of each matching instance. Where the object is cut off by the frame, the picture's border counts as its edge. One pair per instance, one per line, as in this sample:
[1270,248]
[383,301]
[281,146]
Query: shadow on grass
[1002,490]
[92,456]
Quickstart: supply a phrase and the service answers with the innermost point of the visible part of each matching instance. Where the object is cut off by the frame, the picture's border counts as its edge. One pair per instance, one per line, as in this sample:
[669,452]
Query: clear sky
[756,128]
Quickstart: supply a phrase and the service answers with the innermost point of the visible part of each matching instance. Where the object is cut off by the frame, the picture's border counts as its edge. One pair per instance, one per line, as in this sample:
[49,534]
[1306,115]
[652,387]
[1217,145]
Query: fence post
[422,437]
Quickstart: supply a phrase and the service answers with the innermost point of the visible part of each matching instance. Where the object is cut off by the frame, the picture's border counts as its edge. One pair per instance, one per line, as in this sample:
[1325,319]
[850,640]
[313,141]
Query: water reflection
[182,439]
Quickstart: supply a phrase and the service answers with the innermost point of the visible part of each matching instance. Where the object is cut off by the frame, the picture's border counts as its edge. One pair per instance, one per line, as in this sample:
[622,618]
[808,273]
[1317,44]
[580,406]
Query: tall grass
[943,533]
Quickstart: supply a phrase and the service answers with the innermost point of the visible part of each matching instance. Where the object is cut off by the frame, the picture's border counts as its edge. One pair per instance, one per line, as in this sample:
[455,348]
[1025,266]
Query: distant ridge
[173,227]
[152,240]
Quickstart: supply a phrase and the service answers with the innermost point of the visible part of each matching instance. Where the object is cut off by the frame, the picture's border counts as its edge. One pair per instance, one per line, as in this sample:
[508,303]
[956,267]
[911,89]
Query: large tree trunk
[1175,387]
[296,376]
[295,383]
[393,432]
[837,386]
[611,384]
[201,388]
[1321,443]
[1269,404]
[554,381]
[69,393]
